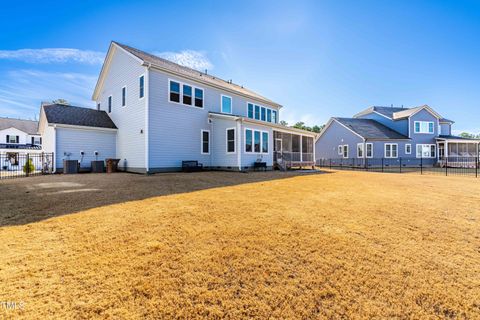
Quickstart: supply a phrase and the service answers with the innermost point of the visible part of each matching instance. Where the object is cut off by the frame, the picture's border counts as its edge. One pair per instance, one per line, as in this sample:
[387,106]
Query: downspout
[147,119]
[55,155]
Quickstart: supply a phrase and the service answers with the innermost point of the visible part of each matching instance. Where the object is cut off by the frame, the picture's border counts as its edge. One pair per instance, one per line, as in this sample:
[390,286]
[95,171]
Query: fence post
[446,166]
[27,165]
[400,164]
[353,164]
[330,163]
[421,165]
[476,169]
[366,164]
[382,165]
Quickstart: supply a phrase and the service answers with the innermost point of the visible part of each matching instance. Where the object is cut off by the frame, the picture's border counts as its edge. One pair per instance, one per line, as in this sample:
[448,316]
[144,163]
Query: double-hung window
[124,96]
[345,151]
[174,91]
[231,140]
[248,140]
[369,152]
[226,104]
[198,98]
[256,141]
[264,114]
[391,150]
[141,87]
[424,127]
[109,104]
[269,115]
[264,142]
[250,111]
[205,142]
[12,139]
[426,151]
[274,116]
[360,150]
[187,95]
[408,148]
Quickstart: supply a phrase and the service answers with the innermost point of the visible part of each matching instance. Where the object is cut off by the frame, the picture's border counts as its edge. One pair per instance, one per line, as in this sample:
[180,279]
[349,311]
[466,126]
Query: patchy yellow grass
[339,245]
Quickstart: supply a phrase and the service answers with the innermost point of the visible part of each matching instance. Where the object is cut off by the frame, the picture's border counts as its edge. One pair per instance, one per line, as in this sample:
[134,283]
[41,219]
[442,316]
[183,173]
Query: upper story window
[141,92]
[198,98]
[226,102]
[174,91]
[187,95]
[191,96]
[424,127]
[124,96]
[13,139]
[261,113]
[109,104]
[36,140]
[250,111]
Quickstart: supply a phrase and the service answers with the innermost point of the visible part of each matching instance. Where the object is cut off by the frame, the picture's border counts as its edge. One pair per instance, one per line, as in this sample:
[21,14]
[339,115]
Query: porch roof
[451,138]
[276,126]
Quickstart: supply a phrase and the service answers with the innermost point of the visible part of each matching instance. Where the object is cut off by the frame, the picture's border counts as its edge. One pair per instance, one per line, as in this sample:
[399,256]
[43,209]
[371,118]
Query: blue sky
[317,58]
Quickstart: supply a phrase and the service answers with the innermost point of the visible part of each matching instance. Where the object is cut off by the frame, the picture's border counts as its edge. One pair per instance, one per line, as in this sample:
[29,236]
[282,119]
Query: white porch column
[301,148]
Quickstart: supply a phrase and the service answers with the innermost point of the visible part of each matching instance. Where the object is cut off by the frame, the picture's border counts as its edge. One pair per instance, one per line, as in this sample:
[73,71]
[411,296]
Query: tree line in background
[469,135]
[301,125]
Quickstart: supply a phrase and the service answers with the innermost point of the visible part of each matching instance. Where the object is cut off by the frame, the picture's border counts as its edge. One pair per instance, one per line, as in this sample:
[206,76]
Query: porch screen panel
[295,143]
[307,145]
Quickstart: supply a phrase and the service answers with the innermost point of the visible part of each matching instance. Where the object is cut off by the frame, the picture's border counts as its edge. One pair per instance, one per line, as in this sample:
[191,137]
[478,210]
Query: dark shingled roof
[386,111]
[450,137]
[77,116]
[28,126]
[163,63]
[370,129]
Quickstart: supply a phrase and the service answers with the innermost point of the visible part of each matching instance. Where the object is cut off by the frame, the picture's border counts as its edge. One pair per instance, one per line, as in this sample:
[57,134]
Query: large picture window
[391,150]
[426,151]
[256,141]
[226,104]
[205,142]
[230,140]
[261,113]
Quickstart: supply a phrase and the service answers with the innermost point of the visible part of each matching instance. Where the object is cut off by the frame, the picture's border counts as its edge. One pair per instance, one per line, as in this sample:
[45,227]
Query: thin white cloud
[189,58]
[22,91]
[54,55]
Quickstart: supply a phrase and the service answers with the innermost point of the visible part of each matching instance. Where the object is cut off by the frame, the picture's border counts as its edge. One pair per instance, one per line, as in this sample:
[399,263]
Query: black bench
[191,166]
[260,165]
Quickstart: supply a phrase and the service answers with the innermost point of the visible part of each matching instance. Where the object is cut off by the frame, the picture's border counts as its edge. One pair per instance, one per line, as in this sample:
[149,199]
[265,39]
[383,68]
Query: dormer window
[424,127]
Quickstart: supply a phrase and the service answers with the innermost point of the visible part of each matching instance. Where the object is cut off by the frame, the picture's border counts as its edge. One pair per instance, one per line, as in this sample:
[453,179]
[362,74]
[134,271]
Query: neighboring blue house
[152,114]
[392,133]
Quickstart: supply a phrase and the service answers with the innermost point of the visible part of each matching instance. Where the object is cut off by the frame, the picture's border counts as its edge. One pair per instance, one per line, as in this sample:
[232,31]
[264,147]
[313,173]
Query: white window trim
[110,104]
[141,98]
[408,145]
[181,94]
[125,87]
[385,150]
[234,141]
[362,149]
[201,141]
[343,151]
[253,141]
[428,126]
[231,104]
[366,148]
[429,145]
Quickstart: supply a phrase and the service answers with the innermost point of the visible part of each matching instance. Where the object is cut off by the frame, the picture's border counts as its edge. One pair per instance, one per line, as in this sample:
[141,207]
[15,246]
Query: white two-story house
[163,113]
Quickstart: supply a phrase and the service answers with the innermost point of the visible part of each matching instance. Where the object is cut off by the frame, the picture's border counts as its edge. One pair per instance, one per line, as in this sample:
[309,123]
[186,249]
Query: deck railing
[293,157]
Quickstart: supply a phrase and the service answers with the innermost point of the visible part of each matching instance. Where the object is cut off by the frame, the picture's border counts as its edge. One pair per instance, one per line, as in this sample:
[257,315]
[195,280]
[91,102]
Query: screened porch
[293,150]
[458,153]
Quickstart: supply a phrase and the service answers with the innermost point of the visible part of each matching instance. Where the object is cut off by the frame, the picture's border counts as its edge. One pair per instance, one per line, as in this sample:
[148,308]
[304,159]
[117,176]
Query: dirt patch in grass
[340,245]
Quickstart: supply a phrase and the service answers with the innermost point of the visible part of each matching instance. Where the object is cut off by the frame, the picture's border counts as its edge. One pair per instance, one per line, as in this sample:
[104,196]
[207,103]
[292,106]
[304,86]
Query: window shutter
[33,141]
[8,138]
[18,139]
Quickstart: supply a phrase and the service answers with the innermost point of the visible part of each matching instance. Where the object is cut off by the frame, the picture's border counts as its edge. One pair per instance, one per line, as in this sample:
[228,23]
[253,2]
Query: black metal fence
[18,164]
[464,166]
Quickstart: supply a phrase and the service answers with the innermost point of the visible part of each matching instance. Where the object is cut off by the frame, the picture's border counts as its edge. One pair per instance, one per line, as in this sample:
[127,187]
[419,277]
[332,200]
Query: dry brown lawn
[335,245]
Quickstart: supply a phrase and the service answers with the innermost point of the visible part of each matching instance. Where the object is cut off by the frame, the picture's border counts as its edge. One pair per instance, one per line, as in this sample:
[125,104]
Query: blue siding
[423,138]
[446,129]
[326,147]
